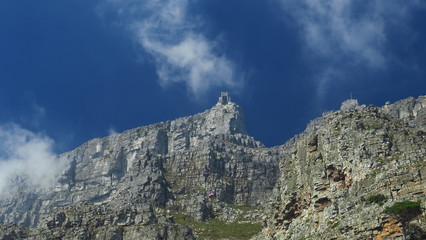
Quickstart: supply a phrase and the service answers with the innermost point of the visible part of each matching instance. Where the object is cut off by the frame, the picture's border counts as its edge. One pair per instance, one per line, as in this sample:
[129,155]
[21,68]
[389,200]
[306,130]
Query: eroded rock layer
[153,182]
[329,171]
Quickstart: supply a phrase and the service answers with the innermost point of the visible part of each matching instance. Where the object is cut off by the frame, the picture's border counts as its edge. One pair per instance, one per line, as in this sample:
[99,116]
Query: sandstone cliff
[130,184]
[148,183]
[329,171]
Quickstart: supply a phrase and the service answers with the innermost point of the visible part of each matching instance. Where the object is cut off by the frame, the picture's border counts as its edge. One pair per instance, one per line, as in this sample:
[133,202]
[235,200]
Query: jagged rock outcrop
[148,183]
[329,171]
[410,110]
[159,166]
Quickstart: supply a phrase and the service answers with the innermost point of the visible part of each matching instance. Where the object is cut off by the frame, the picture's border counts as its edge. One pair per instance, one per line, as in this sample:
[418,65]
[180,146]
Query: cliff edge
[203,177]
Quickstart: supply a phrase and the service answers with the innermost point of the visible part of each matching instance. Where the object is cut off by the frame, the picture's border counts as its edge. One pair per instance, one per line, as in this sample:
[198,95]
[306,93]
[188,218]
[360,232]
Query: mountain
[332,171]
[153,182]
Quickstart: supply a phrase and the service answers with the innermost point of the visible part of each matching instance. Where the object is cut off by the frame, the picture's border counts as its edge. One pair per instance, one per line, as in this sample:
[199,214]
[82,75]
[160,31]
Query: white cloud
[340,34]
[39,113]
[332,28]
[26,158]
[323,79]
[354,29]
[191,61]
[181,52]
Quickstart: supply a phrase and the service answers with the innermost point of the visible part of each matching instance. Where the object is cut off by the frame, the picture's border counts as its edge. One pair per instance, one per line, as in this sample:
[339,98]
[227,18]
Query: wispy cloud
[39,112]
[174,39]
[323,79]
[354,29]
[111,131]
[34,112]
[342,33]
[26,159]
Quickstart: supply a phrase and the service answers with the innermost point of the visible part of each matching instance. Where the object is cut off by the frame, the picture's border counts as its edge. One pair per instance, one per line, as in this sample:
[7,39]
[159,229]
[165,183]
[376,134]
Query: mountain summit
[203,177]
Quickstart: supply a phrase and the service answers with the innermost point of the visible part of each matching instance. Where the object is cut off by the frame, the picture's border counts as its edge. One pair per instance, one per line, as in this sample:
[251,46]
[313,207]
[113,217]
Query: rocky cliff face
[128,184]
[148,183]
[410,110]
[329,171]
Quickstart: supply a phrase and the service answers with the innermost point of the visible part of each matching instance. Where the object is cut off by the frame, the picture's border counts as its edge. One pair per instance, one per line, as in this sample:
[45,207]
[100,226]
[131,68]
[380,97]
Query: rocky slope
[148,183]
[329,171]
[128,185]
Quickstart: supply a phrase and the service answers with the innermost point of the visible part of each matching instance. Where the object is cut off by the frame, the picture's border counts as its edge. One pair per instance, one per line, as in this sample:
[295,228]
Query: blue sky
[74,70]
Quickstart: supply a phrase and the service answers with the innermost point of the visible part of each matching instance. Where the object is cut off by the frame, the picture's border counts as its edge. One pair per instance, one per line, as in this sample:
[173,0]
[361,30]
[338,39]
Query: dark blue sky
[76,70]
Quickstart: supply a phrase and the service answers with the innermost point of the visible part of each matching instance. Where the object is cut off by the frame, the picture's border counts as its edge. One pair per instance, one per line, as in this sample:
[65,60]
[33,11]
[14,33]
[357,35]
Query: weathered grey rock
[135,184]
[329,171]
[349,104]
[159,165]
[410,110]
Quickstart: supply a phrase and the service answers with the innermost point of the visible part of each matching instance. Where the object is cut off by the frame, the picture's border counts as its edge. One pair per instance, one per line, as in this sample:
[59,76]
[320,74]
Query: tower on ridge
[224,98]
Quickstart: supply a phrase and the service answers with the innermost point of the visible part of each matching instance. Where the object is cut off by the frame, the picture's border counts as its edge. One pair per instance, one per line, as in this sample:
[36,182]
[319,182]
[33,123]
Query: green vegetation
[419,163]
[378,198]
[332,224]
[217,229]
[384,160]
[244,208]
[405,210]
[376,125]
[370,124]
[373,173]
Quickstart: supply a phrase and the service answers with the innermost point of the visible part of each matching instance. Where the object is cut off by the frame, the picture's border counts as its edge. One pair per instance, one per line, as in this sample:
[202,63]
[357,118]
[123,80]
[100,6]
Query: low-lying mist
[27,161]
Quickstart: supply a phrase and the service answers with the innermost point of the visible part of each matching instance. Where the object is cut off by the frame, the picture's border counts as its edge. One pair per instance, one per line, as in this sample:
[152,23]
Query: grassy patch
[217,229]
[244,208]
[243,211]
